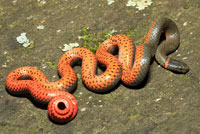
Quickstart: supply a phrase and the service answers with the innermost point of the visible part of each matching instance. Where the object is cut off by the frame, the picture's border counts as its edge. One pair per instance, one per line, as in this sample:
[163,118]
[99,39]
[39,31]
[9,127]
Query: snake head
[178,66]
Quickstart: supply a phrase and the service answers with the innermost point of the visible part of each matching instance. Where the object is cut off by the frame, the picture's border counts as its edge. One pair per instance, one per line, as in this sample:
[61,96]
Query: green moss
[130,33]
[185,78]
[51,65]
[93,38]
[79,76]
[84,31]
[187,6]
[174,113]
[98,38]
[2,76]
[133,117]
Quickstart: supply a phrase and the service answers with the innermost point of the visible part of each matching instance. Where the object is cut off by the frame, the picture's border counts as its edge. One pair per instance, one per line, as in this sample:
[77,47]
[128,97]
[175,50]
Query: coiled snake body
[131,67]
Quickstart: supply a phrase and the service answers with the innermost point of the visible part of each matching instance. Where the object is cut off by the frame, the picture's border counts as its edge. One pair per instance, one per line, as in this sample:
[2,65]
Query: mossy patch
[51,65]
[94,38]
[98,38]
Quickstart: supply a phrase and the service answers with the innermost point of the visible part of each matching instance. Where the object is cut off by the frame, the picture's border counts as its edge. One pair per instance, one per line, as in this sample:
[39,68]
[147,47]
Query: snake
[131,66]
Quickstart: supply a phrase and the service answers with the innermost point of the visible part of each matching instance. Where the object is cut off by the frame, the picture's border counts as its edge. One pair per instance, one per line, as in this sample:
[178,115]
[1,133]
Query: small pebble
[4,65]
[110,2]
[83,109]
[40,27]
[157,99]
[184,58]
[185,24]
[81,93]
[44,66]
[58,31]
[5,52]
[14,1]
